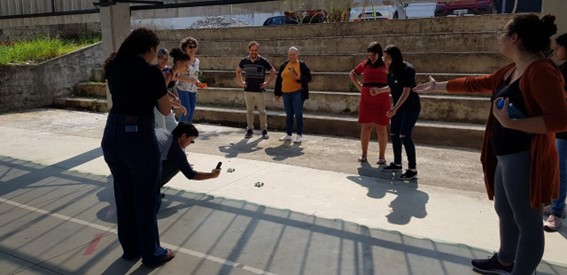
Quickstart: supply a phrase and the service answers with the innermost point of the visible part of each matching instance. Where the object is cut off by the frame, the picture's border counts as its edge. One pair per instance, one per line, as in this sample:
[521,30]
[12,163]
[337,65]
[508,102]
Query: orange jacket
[542,90]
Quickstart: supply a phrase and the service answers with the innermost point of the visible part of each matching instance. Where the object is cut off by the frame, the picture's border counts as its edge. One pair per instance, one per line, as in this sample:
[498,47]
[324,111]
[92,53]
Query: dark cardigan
[305,78]
[541,86]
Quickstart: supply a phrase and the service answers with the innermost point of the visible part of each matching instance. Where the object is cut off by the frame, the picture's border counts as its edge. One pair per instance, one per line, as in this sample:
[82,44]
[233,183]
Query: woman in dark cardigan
[292,84]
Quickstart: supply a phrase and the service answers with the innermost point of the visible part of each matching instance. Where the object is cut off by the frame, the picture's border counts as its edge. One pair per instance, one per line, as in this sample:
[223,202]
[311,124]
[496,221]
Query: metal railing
[10,9]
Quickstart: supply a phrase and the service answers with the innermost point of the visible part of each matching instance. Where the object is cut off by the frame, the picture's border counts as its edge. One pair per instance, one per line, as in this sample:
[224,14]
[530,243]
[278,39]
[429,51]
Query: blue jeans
[401,128]
[293,105]
[189,101]
[558,205]
[131,151]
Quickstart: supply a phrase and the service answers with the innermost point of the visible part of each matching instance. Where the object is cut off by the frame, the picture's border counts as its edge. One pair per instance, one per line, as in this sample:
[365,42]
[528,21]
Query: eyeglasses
[191,47]
[501,33]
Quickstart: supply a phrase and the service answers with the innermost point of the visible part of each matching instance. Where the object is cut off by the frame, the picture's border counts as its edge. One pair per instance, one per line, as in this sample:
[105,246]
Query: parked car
[420,10]
[463,7]
[297,17]
[393,10]
[280,20]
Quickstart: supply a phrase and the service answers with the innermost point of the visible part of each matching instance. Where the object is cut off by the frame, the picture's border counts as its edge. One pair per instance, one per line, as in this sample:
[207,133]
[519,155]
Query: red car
[463,7]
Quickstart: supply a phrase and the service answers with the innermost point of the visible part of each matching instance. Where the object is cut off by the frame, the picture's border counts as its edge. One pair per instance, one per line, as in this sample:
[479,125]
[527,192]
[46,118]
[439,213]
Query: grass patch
[41,49]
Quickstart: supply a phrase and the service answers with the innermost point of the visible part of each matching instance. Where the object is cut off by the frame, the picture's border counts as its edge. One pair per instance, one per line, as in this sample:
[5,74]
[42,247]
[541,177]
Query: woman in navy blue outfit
[130,146]
[404,113]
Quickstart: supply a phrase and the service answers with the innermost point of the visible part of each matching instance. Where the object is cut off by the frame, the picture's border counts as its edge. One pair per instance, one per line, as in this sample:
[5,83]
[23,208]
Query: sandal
[381,161]
[169,255]
[362,159]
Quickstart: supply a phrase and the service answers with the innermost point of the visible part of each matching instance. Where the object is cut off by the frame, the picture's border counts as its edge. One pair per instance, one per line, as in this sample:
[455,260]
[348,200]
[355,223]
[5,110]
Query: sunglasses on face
[191,47]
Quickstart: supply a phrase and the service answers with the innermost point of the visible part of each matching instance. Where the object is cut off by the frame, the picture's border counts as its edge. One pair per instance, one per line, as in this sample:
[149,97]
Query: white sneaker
[547,211]
[553,223]
[298,139]
[285,138]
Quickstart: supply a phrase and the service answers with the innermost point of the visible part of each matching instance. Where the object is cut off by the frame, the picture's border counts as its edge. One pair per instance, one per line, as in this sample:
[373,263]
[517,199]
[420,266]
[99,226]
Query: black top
[255,72]
[563,69]
[504,140]
[135,87]
[400,79]
[172,82]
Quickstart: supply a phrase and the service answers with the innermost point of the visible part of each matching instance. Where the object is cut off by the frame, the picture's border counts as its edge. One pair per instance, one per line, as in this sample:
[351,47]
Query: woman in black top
[404,113]
[130,146]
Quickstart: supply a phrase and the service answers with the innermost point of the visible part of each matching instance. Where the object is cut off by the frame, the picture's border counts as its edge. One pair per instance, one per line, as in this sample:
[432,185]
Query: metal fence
[28,7]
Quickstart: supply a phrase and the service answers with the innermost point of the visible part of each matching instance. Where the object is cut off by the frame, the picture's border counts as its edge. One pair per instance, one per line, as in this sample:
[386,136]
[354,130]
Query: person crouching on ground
[173,158]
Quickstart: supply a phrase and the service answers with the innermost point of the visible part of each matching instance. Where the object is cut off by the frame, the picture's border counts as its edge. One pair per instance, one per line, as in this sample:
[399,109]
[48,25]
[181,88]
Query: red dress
[373,109]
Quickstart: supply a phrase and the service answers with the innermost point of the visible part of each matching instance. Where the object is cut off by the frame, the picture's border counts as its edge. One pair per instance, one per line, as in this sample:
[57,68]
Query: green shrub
[41,49]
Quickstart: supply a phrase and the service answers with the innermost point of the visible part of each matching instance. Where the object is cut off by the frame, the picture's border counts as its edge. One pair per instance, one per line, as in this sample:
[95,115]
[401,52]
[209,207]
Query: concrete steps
[449,42]
[489,23]
[322,81]
[447,108]
[456,62]
[90,96]
[81,103]
[425,132]
[445,48]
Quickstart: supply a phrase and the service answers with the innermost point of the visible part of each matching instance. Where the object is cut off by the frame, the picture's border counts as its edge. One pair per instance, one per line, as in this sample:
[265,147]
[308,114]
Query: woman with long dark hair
[130,146]
[373,107]
[404,113]
[519,155]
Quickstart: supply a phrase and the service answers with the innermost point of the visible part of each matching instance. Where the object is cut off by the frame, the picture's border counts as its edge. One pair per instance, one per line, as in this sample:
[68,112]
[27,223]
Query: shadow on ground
[50,213]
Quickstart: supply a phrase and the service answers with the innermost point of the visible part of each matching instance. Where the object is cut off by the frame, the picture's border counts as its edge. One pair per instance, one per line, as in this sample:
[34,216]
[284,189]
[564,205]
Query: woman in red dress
[373,106]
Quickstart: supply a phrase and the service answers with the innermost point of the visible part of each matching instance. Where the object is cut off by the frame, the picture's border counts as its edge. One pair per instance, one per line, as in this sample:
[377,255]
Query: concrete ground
[319,211]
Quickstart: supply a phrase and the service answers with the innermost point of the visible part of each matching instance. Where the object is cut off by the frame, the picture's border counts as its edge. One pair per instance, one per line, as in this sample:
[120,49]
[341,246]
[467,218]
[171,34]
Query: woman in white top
[188,83]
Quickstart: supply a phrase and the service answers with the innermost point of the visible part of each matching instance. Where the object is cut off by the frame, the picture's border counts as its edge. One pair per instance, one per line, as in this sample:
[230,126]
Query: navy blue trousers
[131,151]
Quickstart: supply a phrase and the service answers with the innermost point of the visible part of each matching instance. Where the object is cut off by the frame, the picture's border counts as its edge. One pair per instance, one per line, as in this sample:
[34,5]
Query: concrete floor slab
[318,212]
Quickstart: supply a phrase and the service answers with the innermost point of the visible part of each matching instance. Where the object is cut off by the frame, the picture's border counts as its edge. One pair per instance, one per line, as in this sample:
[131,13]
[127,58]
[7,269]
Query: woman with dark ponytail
[519,154]
[180,63]
[130,146]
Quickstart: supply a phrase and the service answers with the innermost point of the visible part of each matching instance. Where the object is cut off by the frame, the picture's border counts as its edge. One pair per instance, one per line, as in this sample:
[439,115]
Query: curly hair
[139,41]
[188,41]
[533,32]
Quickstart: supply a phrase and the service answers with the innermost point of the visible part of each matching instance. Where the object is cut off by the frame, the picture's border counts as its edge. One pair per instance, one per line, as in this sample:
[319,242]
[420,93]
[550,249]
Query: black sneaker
[392,168]
[491,266]
[409,175]
[249,133]
[265,134]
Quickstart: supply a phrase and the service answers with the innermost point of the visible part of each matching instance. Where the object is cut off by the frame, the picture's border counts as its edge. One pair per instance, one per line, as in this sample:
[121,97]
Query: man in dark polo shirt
[254,67]
[173,158]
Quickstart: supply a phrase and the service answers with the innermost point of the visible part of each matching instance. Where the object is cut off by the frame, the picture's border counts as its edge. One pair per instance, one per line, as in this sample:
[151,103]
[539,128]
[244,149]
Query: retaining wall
[34,86]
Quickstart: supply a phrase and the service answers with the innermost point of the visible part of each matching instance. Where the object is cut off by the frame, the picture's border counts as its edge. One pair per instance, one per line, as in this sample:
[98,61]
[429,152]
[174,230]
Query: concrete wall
[33,86]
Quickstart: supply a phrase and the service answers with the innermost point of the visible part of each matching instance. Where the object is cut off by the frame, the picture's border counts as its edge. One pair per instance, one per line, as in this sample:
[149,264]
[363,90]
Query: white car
[385,10]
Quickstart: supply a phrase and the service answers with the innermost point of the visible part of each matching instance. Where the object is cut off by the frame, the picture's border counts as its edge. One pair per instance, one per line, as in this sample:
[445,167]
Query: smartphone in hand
[219,165]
